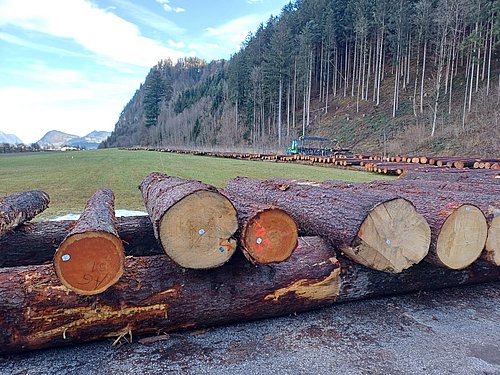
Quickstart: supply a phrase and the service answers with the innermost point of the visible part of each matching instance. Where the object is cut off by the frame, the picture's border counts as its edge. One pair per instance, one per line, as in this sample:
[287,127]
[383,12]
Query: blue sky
[72,65]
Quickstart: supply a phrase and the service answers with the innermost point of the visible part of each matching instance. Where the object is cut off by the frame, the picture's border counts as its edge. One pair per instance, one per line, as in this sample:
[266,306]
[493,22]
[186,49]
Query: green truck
[316,146]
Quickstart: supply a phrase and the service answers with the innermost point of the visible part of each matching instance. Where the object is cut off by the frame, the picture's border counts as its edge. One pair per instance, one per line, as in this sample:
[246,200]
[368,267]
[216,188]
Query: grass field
[70,178]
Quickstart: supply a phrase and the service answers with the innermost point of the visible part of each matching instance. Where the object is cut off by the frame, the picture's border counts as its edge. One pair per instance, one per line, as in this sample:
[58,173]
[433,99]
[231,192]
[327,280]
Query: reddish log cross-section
[267,234]
[91,257]
[35,243]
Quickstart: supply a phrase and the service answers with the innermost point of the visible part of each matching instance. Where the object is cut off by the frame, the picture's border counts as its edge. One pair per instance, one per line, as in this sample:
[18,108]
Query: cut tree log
[454,187]
[91,257]
[484,196]
[458,225]
[155,295]
[194,223]
[36,243]
[267,234]
[379,230]
[453,175]
[492,249]
[465,163]
[21,207]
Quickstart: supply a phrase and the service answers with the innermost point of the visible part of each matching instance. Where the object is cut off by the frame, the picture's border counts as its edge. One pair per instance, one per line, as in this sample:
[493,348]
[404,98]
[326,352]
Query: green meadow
[70,178]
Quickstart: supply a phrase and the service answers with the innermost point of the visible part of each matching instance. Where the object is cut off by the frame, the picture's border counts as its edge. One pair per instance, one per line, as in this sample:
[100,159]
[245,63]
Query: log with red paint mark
[377,229]
[91,257]
[267,234]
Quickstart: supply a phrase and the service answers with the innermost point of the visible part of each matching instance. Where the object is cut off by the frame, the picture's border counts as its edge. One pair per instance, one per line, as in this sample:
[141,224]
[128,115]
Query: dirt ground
[452,331]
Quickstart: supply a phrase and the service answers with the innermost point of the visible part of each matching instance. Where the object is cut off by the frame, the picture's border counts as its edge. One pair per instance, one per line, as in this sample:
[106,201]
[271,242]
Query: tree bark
[36,243]
[91,257]
[378,230]
[492,248]
[452,175]
[155,295]
[458,226]
[267,234]
[194,223]
[20,207]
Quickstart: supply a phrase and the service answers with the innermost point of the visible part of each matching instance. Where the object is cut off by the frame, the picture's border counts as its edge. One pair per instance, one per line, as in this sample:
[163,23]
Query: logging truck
[316,146]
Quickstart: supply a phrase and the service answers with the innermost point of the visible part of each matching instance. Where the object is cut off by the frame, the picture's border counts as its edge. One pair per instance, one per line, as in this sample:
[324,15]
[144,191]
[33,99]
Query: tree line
[425,59]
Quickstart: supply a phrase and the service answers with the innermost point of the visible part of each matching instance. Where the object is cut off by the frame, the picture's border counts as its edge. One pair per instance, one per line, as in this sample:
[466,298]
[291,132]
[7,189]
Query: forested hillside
[398,76]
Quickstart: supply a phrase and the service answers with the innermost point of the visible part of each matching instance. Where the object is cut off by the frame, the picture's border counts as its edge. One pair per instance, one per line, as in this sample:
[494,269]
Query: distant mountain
[55,139]
[90,141]
[9,138]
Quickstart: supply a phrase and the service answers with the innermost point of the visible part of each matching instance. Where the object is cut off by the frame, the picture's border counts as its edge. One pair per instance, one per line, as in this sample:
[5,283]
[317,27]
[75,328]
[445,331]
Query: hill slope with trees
[404,76]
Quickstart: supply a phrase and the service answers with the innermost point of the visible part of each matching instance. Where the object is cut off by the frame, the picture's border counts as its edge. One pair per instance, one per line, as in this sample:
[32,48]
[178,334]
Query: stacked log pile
[155,295]
[376,229]
[182,269]
[391,165]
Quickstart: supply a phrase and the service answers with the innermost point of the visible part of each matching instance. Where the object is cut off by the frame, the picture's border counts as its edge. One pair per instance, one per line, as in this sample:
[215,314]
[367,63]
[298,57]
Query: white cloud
[168,8]
[233,33]
[208,51]
[97,30]
[41,73]
[178,45]
[147,17]
[63,99]
[12,39]
[254,1]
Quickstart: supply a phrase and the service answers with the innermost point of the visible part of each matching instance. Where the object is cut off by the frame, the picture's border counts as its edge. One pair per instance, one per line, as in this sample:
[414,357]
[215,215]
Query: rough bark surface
[484,196]
[376,229]
[194,223]
[20,207]
[454,187]
[91,257]
[492,249]
[267,234]
[98,215]
[161,192]
[483,176]
[155,295]
[456,217]
[36,243]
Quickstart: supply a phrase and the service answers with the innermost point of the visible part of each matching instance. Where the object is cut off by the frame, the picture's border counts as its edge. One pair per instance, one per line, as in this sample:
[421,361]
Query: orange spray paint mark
[225,245]
[262,243]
